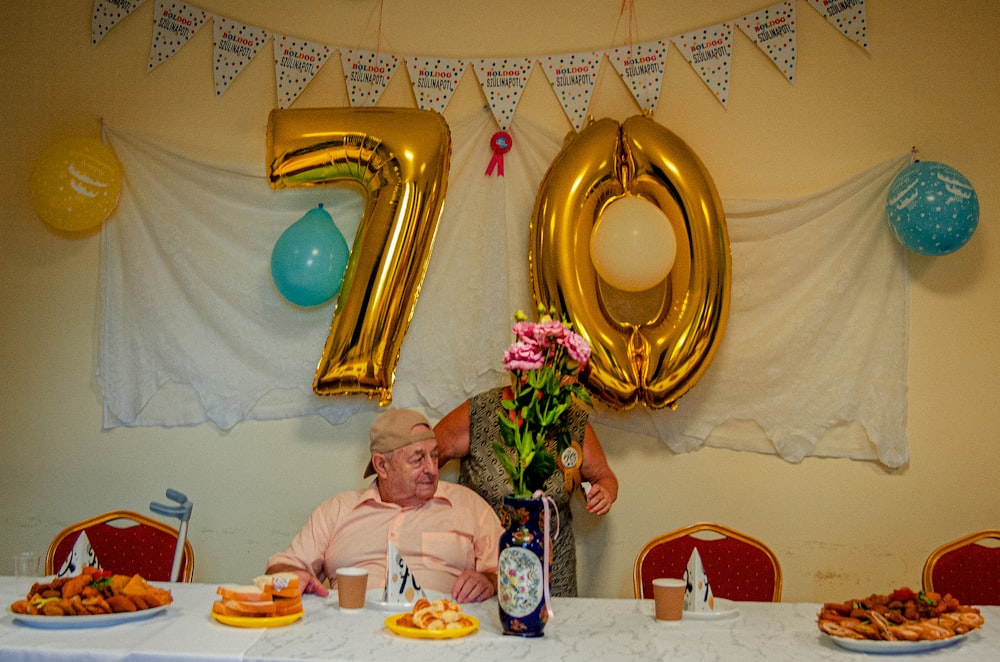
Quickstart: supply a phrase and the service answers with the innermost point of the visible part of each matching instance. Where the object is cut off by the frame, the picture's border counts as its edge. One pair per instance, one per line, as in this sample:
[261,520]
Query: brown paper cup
[668,594]
[352,584]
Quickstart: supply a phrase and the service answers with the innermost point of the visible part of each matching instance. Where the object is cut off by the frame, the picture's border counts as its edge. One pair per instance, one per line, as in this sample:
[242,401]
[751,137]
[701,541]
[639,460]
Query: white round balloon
[632,244]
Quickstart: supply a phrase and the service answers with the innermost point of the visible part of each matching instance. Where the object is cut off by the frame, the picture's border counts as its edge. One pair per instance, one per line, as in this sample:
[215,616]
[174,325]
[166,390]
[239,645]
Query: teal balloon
[932,208]
[309,259]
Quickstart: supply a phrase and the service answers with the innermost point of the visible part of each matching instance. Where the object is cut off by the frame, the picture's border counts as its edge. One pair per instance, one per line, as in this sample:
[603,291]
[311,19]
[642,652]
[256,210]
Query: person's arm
[452,433]
[304,555]
[603,482]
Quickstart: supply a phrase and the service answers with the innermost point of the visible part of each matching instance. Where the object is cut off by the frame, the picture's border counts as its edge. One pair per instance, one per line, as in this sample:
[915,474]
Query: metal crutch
[182,511]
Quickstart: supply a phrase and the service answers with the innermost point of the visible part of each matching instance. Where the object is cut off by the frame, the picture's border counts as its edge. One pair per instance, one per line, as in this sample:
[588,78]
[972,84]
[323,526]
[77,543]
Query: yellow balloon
[398,158]
[633,244]
[655,351]
[75,184]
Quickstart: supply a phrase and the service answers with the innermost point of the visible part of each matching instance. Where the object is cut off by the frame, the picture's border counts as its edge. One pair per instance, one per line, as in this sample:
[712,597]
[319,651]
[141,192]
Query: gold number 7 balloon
[398,158]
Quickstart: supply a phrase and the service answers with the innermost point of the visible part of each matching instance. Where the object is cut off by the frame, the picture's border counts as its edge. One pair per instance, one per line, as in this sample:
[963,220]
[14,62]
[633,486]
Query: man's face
[408,475]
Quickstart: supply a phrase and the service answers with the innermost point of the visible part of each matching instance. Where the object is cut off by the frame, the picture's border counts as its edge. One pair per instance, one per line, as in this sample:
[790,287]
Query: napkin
[400,585]
[81,556]
[698,593]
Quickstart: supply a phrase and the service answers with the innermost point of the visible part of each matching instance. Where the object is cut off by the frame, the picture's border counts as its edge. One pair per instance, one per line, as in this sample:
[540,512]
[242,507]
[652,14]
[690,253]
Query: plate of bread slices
[433,619]
[271,601]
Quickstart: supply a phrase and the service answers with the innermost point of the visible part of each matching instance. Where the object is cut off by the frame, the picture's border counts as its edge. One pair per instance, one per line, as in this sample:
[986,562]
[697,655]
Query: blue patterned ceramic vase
[521,586]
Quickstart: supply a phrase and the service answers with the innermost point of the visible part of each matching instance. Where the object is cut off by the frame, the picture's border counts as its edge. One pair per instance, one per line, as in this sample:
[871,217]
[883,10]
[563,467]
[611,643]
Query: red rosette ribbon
[500,143]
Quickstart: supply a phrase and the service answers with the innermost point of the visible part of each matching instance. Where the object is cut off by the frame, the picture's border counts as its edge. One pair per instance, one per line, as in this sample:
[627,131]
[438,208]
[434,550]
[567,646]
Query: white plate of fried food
[94,598]
[900,622]
[92,621]
[438,619]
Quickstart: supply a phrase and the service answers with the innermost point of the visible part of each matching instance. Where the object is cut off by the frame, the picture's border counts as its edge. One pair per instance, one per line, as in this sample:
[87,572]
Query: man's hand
[472,586]
[307,581]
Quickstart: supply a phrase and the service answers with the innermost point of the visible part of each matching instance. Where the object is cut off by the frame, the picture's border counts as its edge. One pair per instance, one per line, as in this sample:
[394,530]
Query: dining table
[605,629]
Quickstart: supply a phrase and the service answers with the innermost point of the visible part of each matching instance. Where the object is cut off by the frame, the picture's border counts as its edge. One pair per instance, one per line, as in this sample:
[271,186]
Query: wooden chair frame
[964,541]
[709,527]
[138,518]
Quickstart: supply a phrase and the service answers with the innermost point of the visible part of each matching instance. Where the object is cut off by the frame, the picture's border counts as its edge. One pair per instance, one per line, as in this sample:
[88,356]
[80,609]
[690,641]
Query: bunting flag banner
[710,51]
[296,63]
[503,80]
[368,74]
[235,45]
[848,16]
[641,68]
[573,76]
[773,30]
[174,23]
[434,80]
[107,14]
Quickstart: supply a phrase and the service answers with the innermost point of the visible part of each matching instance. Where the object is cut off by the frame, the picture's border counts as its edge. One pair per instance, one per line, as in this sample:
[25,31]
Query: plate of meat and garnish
[902,621]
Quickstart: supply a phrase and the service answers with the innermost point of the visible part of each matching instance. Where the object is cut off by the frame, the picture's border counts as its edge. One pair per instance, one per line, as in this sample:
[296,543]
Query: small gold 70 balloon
[641,352]
[398,158]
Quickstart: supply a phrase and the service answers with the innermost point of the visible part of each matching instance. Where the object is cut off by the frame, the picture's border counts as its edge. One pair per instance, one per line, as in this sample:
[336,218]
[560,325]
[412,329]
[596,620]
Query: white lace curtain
[193,329]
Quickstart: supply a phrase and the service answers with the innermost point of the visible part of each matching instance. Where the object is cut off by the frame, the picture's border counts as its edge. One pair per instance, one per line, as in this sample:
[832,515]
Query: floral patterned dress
[481,471]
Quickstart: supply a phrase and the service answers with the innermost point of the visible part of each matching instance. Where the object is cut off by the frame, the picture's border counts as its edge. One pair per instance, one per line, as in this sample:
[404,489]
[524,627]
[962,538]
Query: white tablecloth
[583,629]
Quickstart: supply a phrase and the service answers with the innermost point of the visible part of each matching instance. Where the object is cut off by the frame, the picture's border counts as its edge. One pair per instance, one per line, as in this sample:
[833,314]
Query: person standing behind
[447,535]
[468,432]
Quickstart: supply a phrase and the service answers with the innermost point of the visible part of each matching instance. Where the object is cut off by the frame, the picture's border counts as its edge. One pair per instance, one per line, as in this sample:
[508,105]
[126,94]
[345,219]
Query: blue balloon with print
[932,208]
[309,259]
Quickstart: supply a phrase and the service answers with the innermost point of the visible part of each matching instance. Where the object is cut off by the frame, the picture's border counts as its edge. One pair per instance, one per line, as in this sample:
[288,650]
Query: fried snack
[900,616]
[121,603]
[90,593]
[75,585]
[437,615]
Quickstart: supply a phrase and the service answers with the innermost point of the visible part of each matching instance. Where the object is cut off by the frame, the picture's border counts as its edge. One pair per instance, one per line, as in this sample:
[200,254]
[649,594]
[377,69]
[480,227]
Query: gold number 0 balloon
[398,158]
[655,359]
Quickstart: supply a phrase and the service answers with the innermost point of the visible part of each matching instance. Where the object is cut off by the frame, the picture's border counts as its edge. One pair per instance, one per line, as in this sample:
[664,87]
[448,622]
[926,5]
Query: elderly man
[447,535]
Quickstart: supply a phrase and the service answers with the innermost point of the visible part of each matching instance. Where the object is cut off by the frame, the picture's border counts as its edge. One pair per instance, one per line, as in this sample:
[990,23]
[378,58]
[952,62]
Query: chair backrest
[968,568]
[738,566]
[125,543]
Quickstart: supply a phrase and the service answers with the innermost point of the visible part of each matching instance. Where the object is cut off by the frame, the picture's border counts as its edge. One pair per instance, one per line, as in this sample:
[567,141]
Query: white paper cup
[668,594]
[352,585]
[27,568]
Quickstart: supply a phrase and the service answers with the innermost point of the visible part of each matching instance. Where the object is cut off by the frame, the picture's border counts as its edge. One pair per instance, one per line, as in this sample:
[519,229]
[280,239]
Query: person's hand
[473,586]
[309,584]
[599,499]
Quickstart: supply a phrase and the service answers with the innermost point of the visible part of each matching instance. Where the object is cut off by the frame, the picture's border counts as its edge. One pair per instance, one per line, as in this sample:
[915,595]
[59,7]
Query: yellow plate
[257,622]
[417,633]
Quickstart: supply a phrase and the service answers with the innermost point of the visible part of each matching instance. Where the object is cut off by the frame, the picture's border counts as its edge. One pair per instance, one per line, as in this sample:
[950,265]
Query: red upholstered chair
[126,543]
[738,566]
[968,568]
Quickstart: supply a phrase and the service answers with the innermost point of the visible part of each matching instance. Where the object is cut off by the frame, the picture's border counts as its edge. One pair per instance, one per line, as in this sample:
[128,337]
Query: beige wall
[840,527]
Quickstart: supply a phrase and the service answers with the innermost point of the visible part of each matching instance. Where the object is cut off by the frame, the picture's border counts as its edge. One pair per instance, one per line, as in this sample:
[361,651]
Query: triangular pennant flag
[573,76]
[641,67]
[503,80]
[698,592]
[400,585]
[235,45]
[107,14]
[368,74]
[710,51]
[848,16]
[174,23]
[81,556]
[296,63]
[773,30]
[434,80]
